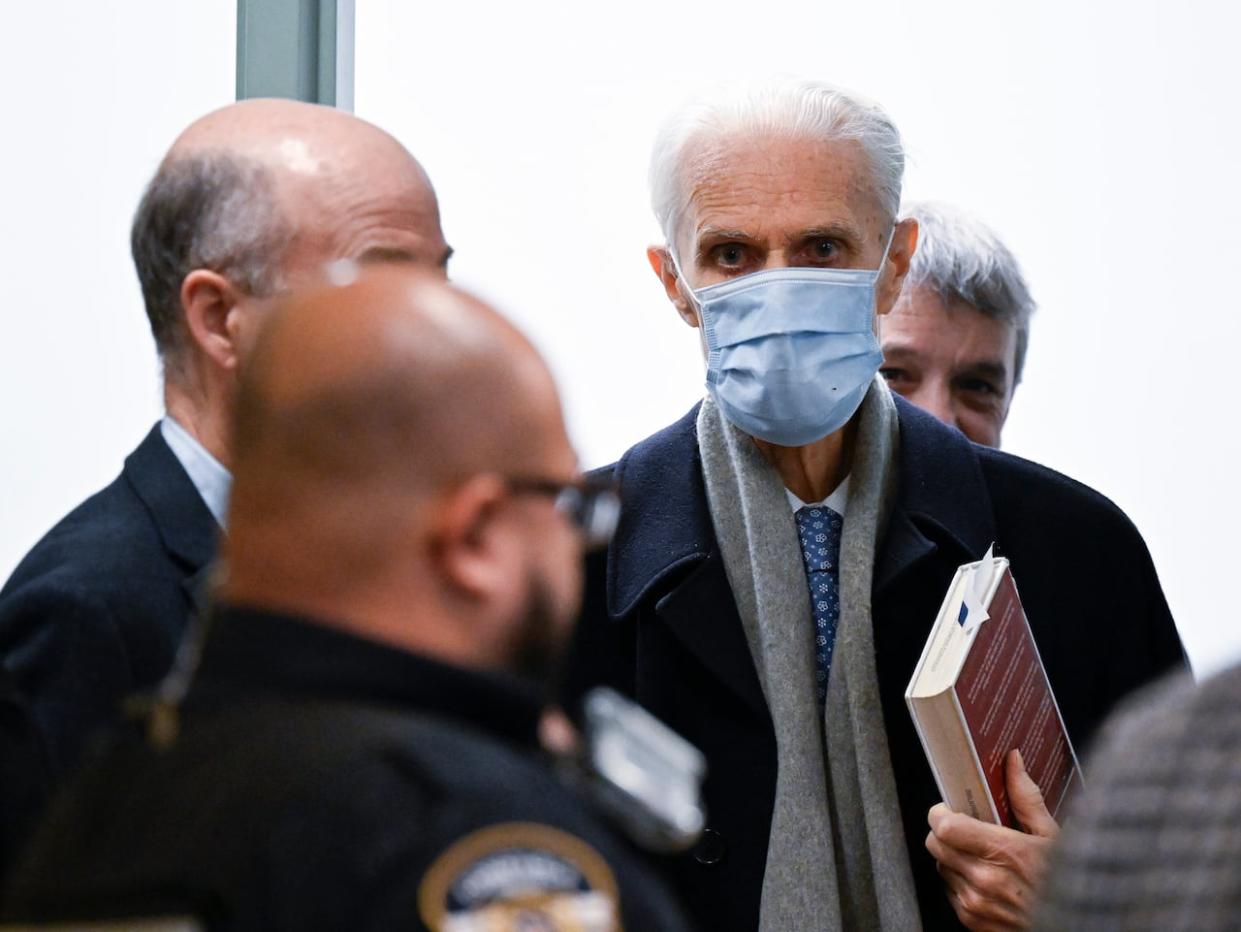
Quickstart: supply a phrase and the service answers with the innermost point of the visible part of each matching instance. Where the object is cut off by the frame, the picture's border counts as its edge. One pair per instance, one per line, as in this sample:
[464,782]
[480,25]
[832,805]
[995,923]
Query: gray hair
[208,210]
[785,107]
[961,259]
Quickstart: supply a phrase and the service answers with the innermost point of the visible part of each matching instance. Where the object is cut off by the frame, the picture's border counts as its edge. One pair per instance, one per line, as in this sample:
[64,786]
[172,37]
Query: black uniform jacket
[97,608]
[322,781]
[660,624]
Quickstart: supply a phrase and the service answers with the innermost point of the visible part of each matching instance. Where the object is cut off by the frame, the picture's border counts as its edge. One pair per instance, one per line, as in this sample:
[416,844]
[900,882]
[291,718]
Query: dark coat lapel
[186,527]
[667,549]
[942,501]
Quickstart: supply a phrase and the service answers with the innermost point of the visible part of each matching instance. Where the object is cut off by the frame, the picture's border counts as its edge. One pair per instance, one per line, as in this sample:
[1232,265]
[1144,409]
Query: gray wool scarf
[836,857]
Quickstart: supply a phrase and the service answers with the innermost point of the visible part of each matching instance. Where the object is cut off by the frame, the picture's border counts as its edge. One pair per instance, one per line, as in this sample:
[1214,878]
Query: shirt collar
[208,474]
[250,651]
[838,501]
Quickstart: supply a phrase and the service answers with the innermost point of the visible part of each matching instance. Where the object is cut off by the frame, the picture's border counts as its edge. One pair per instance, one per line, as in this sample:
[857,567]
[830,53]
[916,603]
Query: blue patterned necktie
[818,529]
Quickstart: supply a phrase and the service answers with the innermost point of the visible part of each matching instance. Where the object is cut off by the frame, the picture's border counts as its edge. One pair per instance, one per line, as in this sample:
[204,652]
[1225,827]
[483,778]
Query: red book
[980,691]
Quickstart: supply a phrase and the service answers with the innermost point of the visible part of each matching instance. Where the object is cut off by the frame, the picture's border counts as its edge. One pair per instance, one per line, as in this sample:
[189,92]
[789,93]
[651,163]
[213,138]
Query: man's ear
[469,550]
[210,304]
[665,270]
[900,254]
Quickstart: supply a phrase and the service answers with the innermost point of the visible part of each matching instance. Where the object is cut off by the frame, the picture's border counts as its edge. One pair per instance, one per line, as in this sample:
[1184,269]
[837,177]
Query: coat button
[711,848]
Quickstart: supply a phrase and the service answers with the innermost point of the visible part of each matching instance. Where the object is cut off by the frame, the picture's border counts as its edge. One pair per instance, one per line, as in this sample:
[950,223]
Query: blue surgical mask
[790,352]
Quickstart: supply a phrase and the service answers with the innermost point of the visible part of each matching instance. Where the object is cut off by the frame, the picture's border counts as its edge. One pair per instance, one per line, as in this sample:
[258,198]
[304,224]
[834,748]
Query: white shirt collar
[837,501]
[208,474]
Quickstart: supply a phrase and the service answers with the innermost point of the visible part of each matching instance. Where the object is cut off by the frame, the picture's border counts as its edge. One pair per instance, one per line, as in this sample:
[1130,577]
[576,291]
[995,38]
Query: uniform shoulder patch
[519,877]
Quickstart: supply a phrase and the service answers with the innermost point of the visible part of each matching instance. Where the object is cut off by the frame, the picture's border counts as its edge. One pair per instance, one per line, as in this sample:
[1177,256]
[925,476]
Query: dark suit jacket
[97,608]
[660,624]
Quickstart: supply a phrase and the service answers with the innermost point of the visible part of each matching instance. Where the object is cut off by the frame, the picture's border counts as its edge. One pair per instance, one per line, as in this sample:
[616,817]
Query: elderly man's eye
[823,248]
[729,255]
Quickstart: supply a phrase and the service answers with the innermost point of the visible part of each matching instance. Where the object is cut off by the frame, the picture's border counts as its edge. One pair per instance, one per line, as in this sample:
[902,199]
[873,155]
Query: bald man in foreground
[357,748]
[250,200]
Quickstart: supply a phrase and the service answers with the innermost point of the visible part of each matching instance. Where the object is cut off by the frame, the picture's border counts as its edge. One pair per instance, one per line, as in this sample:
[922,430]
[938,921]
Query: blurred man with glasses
[357,744]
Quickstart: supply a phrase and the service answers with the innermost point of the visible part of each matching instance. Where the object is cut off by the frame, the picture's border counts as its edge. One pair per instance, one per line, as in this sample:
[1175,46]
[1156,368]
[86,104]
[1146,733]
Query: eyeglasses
[592,505]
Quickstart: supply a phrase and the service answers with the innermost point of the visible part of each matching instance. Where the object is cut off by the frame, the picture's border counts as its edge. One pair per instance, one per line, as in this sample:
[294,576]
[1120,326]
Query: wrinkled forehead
[925,327]
[767,186]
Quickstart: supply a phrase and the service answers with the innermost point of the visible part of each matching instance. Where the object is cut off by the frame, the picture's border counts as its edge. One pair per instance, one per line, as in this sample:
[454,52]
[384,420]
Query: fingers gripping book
[980,690]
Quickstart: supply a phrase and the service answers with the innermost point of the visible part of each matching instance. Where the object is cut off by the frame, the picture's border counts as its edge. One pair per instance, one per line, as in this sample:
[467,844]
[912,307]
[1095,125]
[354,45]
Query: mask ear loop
[681,280]
[886,249]
[878,272]
[710,350]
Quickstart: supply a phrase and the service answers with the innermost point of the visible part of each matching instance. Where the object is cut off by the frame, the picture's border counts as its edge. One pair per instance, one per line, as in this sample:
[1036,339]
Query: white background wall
[94,94]
[1099,138]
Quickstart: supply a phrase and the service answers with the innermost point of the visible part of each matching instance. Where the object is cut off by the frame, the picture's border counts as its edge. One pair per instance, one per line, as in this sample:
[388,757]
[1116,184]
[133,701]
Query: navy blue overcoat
[660,624]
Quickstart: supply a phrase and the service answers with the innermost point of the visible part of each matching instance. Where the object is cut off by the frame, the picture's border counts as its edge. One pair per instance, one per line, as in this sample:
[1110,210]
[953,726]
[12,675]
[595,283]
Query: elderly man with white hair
[955,343]
[786,545]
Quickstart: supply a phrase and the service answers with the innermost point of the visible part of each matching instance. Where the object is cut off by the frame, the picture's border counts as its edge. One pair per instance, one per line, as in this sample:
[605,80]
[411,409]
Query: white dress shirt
[836,501]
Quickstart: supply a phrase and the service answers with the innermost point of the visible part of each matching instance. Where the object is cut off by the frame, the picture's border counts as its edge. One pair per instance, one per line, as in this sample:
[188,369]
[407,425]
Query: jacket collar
[185,526]
[666,546]
[665,524]
[250,651]
[665,530]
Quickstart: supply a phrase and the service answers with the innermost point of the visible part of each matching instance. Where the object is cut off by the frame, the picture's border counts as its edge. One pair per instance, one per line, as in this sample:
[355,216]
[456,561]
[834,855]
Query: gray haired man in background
[955,343]
[250,200]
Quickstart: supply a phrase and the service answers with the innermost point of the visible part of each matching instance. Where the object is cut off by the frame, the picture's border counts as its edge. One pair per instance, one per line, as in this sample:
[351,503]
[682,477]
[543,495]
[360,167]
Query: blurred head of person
[955,344]
[402,471]
[250,201]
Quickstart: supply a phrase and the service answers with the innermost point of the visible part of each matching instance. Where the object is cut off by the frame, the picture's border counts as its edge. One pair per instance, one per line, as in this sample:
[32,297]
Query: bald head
[269,129]
[319,160]
[363,402]
[399,453]
[392,377]
[265,192]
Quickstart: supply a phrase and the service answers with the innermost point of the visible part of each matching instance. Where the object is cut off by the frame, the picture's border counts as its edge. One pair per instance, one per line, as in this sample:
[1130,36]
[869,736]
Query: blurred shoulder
[1151,842]
[1194,728]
